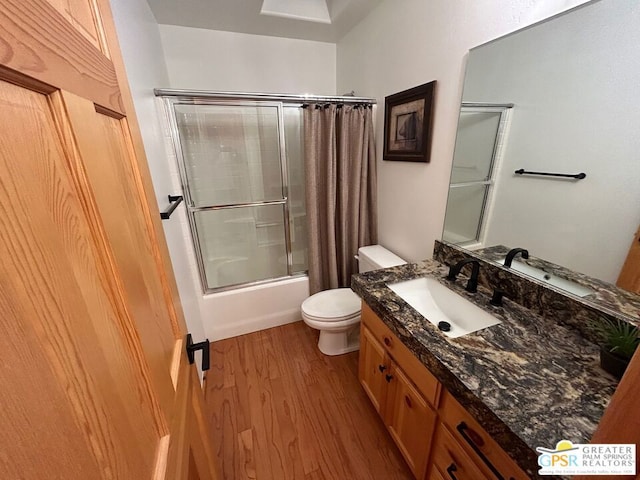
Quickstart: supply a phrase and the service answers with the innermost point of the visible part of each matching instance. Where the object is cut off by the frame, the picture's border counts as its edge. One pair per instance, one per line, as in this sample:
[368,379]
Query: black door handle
[450,469]
[192,348]
[174,201]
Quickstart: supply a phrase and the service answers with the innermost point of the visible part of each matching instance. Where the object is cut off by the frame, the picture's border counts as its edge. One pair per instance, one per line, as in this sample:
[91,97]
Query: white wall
[404,43]
[139,40]
[574,85]
[213,60]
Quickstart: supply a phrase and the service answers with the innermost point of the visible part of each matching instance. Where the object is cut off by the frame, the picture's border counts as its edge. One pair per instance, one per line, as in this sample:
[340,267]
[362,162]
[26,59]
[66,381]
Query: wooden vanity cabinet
[406,410]
[413,405]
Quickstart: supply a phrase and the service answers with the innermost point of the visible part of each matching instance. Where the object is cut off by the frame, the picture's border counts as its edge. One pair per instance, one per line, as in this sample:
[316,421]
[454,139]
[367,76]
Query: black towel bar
[577,176]
[174,201]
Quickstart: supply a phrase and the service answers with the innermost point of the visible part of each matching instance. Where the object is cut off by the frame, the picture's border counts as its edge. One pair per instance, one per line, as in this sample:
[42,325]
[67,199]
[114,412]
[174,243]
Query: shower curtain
[340,169]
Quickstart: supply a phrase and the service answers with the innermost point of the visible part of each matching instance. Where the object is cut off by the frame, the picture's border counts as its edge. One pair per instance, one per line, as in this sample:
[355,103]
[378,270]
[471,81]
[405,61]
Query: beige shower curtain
[340,165]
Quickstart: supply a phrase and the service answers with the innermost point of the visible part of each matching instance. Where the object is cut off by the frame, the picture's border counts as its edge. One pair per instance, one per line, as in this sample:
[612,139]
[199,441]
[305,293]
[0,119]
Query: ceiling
[244,16]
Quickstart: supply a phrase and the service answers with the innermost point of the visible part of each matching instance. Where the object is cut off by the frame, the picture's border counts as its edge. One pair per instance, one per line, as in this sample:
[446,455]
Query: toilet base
[339,343]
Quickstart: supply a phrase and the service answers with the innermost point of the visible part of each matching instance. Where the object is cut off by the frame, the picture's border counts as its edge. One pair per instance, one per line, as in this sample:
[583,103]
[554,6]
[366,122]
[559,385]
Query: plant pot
[612,362]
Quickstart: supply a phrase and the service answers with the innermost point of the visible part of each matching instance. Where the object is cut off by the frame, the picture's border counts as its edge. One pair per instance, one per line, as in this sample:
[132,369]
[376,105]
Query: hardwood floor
[280,409]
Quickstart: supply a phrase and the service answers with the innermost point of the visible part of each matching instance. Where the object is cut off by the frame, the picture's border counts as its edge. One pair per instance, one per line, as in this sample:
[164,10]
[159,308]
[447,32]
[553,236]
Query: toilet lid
[336,303]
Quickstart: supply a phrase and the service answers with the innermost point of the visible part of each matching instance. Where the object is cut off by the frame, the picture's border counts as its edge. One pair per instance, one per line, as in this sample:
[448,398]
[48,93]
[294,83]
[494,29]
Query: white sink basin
[566,285]
[437,303]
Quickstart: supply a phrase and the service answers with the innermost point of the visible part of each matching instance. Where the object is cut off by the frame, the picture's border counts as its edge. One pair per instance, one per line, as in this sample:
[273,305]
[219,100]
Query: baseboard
[233,329]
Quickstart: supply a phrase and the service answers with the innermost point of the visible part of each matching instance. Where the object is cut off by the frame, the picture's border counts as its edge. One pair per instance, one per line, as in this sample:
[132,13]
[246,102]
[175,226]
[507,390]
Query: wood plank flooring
[280,409]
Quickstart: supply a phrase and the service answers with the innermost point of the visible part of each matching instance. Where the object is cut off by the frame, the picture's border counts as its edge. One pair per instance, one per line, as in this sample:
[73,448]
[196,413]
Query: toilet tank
[374,257]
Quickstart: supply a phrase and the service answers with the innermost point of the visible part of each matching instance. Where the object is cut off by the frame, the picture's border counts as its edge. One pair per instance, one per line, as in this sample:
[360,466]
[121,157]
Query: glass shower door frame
[503,110]
[192,209]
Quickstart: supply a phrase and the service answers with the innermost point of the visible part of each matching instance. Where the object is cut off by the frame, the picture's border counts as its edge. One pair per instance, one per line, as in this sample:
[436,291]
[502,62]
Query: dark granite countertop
[608,298]
[528,381]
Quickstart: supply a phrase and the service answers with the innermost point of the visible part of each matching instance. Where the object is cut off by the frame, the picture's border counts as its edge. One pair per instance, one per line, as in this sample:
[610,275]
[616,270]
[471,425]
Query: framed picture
[407,124]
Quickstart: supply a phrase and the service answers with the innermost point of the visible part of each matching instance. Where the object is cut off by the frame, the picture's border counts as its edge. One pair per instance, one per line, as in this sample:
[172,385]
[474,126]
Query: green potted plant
[619,341]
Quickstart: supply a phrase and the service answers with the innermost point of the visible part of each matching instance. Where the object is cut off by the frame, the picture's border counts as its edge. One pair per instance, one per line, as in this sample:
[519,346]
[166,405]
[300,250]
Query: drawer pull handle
[382,368]
[467,433]
[407,400]
[387,341]
[450,469]
[388,377]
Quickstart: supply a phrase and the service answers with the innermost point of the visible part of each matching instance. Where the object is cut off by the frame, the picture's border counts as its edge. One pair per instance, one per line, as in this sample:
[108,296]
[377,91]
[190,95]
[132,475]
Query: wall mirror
[561,96]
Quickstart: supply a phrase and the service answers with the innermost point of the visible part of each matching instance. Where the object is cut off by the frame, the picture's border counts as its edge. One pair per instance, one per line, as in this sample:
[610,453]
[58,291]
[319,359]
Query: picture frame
[407,124]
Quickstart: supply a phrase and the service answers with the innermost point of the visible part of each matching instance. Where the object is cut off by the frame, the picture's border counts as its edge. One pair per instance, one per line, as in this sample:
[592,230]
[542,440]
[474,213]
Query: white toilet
[336,313]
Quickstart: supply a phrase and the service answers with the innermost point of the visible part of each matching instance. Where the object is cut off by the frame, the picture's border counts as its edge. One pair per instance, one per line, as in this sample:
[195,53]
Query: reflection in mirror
[478,144]
[573,83]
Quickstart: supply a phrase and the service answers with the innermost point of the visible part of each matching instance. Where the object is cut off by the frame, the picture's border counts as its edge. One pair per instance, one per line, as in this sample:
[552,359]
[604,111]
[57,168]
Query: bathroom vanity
[421,414]
[476,406]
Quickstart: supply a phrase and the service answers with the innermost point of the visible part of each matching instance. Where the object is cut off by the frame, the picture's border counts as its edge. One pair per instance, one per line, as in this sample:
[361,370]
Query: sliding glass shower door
[243,176]
[481,131]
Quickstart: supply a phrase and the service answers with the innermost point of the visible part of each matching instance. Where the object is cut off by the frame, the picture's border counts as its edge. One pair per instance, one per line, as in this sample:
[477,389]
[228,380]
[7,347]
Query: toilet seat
[355,316]
[334,305]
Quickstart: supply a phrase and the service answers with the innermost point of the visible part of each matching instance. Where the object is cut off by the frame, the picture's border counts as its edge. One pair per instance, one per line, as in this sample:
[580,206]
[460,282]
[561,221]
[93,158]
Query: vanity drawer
[434,474]
[450,461]
[476,442]
[424,381]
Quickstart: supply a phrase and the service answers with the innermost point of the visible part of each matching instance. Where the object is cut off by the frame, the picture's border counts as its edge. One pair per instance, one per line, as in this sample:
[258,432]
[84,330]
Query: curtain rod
[279,97]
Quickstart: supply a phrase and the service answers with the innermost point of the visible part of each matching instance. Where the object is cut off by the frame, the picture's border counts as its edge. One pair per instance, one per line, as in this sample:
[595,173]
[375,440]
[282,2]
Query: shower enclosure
[242,172]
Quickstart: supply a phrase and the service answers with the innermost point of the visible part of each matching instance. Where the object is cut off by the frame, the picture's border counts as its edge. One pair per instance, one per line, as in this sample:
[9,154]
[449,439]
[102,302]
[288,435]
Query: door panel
[373,366]
[39,42]
[96,382]
[410,421]
[65,349]
[103,147]
[83,16]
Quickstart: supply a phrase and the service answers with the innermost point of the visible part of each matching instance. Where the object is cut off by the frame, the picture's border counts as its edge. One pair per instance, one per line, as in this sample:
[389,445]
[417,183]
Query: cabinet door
[410,421]
[373,369]
[424,381]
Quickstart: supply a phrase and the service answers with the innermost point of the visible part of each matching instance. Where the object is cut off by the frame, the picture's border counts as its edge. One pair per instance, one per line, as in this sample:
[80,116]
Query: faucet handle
[496,299]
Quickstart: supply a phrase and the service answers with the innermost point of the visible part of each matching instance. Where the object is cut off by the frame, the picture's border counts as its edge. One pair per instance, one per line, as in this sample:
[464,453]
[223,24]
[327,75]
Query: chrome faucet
[512,253]
[472,284]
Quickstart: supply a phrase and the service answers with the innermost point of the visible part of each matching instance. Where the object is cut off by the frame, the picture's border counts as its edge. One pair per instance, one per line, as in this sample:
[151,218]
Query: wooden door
[373,366]
[410,421]
[629,278]
[95,379]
